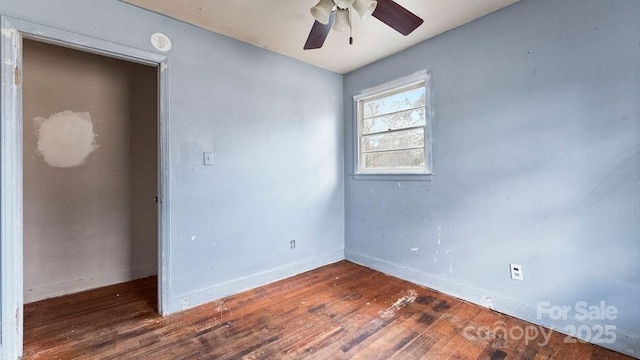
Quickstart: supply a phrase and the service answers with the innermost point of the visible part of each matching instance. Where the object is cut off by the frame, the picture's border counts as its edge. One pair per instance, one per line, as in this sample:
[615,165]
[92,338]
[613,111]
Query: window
[393,129]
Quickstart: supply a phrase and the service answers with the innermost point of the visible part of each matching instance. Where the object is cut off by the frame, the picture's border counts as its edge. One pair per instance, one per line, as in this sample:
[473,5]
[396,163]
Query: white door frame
[11,222]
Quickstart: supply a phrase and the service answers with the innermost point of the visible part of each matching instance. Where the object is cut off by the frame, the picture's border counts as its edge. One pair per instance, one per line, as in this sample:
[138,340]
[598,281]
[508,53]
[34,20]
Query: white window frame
[384,90]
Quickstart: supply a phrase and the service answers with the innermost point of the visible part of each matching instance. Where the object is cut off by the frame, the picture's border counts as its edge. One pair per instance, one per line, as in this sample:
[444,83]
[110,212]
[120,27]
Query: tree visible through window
[392,125]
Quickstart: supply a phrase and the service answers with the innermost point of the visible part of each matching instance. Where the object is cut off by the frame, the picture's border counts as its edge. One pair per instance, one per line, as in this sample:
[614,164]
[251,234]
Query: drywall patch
[65,139]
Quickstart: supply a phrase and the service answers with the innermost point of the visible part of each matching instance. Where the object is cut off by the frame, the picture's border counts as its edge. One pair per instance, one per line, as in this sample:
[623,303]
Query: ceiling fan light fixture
[344,4]
[390,13]
[342,22]
[365,7]
[322,11]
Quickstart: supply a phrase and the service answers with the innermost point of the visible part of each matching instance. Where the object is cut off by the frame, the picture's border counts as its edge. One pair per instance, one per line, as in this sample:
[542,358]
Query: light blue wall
[278,151]
[536,162]
[536,158]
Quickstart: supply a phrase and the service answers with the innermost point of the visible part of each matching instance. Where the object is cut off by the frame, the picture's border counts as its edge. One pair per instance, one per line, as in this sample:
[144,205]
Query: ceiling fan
[335,14]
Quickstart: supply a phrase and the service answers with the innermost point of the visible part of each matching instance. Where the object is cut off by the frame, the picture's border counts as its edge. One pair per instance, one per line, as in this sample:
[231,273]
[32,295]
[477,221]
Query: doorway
[89,170]
[12,262]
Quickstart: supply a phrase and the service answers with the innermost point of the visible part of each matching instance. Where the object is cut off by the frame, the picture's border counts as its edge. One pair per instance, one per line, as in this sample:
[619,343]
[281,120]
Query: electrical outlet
[292,243]
[516,272]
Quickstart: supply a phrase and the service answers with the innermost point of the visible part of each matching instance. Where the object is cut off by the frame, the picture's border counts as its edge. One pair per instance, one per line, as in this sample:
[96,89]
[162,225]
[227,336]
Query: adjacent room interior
[90,218]
[266,187]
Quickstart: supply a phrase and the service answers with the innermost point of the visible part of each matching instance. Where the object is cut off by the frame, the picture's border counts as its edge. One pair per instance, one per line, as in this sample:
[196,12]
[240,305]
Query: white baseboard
[235,286]
[626,342]
[461,291]
[90,281]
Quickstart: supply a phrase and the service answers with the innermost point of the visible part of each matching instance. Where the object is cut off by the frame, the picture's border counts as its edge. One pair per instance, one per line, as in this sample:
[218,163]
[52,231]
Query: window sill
[393,177]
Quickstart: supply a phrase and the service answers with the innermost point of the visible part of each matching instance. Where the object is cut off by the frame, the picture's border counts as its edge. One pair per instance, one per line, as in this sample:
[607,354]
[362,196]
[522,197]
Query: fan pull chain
[350,29]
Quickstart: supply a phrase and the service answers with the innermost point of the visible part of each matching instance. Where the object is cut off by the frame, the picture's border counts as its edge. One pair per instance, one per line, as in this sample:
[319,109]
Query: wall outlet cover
[516,272]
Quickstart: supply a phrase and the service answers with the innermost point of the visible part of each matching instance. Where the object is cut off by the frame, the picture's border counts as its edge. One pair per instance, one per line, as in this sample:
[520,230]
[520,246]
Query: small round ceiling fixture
[161,42]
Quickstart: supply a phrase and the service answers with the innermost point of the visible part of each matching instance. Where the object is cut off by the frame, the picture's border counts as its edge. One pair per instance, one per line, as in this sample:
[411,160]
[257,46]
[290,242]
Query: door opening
[12,261]
[89,170]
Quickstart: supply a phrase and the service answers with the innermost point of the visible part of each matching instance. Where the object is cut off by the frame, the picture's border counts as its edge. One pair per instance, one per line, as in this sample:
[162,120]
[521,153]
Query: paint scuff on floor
[389,312]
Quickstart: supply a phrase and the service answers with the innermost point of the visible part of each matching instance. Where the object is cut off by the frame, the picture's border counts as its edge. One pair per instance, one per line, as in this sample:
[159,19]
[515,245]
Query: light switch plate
[208,158]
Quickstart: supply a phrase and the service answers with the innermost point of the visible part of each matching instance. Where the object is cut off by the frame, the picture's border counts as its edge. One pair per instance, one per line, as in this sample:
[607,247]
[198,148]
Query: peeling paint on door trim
[8,33]
[16,76]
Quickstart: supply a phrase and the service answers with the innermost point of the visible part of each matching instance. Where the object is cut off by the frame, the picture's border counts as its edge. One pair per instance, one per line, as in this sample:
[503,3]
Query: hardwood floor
[340,311]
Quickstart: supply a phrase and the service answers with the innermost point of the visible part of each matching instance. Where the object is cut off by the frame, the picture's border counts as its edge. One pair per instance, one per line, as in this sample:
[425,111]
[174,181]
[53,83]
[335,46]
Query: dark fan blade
[319,33]
[397,17]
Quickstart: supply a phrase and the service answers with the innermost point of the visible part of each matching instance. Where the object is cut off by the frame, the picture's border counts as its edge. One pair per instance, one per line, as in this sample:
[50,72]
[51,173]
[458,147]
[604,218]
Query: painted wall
[274,126]
[90,169]
[536,162]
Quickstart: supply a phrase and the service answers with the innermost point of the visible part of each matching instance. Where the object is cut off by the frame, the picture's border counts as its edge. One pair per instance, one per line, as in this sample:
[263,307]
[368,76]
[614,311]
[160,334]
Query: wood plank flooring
[340,311]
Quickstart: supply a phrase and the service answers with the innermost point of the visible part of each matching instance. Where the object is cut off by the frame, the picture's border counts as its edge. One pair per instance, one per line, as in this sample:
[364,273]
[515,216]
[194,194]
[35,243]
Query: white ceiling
[283,26]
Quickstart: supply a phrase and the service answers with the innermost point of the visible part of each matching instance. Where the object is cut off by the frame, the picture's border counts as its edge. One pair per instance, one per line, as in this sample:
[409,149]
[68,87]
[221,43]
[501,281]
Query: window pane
[396,102]
[404,119]
[395,159]
[395,140]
